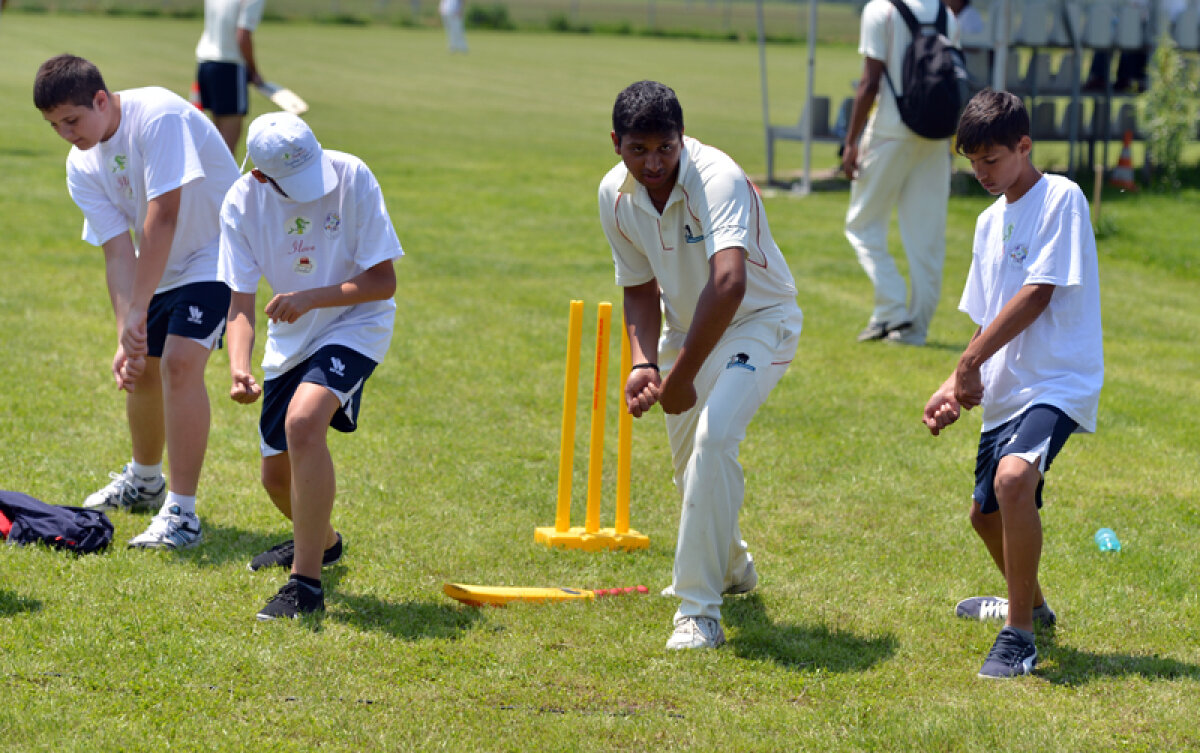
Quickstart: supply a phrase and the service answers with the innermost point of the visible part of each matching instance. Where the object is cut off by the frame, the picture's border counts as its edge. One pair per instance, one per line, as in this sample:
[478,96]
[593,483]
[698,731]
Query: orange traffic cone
[1122,174]
[194,95]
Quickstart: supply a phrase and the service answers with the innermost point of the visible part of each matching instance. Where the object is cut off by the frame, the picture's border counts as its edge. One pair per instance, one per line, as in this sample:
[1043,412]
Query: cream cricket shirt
[161,144]
[713,206]
[311,245]
[222,19]
[1044,237]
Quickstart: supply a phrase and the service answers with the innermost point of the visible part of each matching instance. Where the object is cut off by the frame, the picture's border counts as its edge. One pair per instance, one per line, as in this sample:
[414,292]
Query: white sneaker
[170,529]
[696,632]
[747,584]
[126,492]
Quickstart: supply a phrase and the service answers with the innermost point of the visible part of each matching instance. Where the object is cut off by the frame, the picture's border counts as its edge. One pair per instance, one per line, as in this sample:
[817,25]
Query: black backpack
[936,85]
[71,528]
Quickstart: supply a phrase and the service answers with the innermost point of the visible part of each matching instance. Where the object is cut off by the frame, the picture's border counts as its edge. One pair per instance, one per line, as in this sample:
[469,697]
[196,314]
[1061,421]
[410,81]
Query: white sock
[146,472]
[186,504]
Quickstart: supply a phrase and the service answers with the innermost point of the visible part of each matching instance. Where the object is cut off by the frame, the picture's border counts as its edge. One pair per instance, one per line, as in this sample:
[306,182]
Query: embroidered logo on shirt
[687,234]
[337,367]
[303,265]
[333,223]
[298,225]
[1008,231]
[195,315]
[1018,253]
[740,361]
[119,163]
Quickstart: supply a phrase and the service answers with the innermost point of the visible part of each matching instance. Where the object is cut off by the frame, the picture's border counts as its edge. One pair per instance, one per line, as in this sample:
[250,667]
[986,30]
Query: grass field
[857,517]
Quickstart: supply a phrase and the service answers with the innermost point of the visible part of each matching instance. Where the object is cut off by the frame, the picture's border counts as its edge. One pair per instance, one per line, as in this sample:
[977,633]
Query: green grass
[856,516]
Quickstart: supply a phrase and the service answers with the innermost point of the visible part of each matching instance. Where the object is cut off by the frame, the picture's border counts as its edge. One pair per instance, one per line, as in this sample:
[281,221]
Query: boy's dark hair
[992,118]
[66,80]
[647,107]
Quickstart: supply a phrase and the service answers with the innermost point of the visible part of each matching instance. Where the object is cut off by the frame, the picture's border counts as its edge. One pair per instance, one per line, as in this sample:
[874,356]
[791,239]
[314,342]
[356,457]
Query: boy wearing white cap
[314,224]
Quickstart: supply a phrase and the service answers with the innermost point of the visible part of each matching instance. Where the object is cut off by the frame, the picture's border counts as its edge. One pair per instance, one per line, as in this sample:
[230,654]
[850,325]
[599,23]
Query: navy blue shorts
[223,88]
[343,371]
[1037,435]
[196,311]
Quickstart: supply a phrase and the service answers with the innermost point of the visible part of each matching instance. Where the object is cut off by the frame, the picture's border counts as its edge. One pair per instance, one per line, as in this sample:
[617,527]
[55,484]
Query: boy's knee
[304,429]
[181,366]
[1015,480]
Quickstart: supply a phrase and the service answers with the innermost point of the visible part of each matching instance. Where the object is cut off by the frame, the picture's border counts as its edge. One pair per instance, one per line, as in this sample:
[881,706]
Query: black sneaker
[1012,655]
[282,555]
[293,600]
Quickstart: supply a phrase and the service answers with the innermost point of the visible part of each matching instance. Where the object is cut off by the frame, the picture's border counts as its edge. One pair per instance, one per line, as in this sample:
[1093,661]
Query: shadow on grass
[224,544]
[407,620]
[800,646]
[11,603]
[1069,666]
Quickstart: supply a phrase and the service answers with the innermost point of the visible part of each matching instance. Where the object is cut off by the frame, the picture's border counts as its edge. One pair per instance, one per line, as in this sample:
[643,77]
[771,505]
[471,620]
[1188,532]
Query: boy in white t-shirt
[225,63]
[1036,363]
[146,161]
[709,300]
[313,223]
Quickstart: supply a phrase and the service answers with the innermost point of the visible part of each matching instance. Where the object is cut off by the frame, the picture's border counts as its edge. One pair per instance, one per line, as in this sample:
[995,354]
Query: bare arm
[375,284]
[1021,311]
[120,261]
[719,302]
[245,43]
[239,334]
[158,233]
[643,321]
[864,97]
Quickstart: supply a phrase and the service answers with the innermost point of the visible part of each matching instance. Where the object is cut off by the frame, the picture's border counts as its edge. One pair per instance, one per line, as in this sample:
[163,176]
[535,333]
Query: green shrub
[493,16]
[1171,110]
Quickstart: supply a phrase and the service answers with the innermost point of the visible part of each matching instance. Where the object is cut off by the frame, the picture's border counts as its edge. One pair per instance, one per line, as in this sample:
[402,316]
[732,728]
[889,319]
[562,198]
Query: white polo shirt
[884,36]
[1043,238]
[162,143]
[299,246]
[713,206]
[222,19]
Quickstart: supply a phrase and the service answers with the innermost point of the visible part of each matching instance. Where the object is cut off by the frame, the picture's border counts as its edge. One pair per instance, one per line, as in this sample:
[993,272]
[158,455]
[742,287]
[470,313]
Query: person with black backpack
[898,156]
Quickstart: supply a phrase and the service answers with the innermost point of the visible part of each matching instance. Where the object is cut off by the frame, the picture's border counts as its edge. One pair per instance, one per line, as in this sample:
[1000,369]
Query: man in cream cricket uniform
[225,63]
[697,262]
[313,222]
[146,161]
[893,168]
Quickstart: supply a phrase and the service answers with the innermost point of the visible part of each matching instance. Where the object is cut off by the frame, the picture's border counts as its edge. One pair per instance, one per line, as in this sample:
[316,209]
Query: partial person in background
[149,173]
[969,20]
[892,167]
[226,65]
[452,18]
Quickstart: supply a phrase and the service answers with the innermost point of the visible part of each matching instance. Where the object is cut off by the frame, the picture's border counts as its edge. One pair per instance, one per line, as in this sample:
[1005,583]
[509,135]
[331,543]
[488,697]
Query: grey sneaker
[880,330]
[170,529]
[294,600]
[747,584]
[126,492]
[1011,656]
[996,608]
[696,632]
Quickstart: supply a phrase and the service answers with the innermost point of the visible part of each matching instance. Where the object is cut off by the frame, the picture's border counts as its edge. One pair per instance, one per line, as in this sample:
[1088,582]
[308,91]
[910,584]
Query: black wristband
[646,365]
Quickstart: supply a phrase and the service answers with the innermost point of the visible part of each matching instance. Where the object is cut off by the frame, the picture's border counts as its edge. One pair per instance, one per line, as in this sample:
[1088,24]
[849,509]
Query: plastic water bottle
[1107,540]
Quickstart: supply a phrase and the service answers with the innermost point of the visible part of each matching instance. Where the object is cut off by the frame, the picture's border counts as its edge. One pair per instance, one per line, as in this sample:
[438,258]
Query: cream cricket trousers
[913,175]
[741,371]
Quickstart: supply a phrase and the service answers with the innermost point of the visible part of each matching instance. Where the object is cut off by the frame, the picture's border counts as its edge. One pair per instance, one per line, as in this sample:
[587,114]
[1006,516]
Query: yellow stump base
[578,538]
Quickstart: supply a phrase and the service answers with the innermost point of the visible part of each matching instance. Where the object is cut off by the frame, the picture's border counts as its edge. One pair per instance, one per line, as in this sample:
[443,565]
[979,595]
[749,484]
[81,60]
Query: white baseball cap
[284,149]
